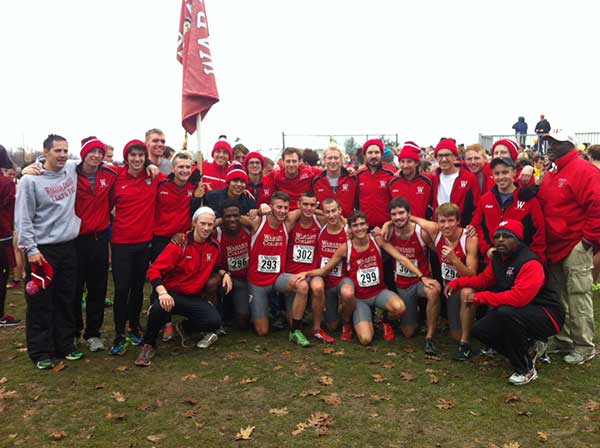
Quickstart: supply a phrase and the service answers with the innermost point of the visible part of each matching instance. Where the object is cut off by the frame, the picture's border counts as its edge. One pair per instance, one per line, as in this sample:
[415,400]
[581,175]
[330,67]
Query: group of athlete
[338,240]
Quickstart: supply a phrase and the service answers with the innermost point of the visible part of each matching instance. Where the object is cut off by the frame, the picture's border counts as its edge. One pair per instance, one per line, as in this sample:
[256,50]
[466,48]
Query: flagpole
[199,153]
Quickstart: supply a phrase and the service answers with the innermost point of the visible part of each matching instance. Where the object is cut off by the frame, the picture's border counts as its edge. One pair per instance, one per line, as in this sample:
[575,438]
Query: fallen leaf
[378,378]
[121,369]
[226,379]
[592,405]
[3,380]
[35,398]
[388,365]
[115,417]
[198,425]
[543,436]
[326,380]
[190,413]
[474,414]
[512,398]
[391,354]
[357,395]
[189,377]
[59,367]
[4,394]
[407,376]
[408,350]
[332,399]
[536,400]
[245,433]
[232,355]
[433,379]
[442,403]
[300,427]
[57,435]
[524,413]
[278,412]
[99,386]
[155,438]
[190,401]
[374,415]
[311,392]
[380,398]
[328,350]
[286,353]
[339,353]
[511,445]
[249,380]
[204,363]
[30,413]
[433,357]
[276,368]
[118,396]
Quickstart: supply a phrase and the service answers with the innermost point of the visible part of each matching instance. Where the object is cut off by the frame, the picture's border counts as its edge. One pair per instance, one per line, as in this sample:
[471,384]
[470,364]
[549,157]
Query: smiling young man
[155,142]
[254,164]
[336,182]
[179,276]
[507,200]
[47,227]
[237,181]
[214,173]
[523,308]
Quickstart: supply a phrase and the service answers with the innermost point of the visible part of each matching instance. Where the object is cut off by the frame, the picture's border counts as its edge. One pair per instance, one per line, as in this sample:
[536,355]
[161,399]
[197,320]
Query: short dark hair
[399,202]
[51,139]
[594,152]
[168,152]
[331,200]
[281,195]
[240,148]
[310,157]
[356,215]
[229,203]
[290,151]
[308,194]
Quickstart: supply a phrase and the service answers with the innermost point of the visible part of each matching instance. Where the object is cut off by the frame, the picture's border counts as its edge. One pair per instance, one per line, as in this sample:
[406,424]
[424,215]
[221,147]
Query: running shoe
[96,344]
[321,335]
[168,332]
[108,303]
[120,347]
[346,332]
[388,332]
[45,364]
[74,356]
[596,287]
[134,338]
[297,337]
[487,351]
[145,356]
[577,358]
[430,348]
[9,321]
[208,340]
[463,352]
[520,379]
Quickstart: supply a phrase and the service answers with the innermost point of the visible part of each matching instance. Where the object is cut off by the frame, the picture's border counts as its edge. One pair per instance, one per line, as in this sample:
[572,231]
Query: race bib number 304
[403,271]
[303,254]
[269,264]
[367,277]
[449,272]
[337,271]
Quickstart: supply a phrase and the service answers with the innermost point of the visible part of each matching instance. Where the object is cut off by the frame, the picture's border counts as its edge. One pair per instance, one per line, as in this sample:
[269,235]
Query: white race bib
[367,277]
[403,271]
[337,271]
[269,264]
[238,263]
[449,272]
[303,254]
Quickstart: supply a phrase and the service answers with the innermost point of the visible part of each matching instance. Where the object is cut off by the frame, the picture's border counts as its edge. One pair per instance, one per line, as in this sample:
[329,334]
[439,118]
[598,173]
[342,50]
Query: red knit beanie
[373,141]
[236,173]
[511,227]
[222,144]
[446,143]
[512,146]
[129,145]
[410,150]
[254,155]
[89,143]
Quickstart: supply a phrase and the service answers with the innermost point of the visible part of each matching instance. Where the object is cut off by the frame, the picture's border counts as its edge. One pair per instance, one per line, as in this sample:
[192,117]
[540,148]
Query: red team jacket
[417,191]
[278,181]
[465,193]
[345,192]
[173,204]
[93,205]
[373,195]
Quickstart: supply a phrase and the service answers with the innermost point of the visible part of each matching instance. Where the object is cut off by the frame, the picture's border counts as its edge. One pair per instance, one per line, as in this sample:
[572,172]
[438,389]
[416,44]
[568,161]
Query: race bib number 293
[269,264]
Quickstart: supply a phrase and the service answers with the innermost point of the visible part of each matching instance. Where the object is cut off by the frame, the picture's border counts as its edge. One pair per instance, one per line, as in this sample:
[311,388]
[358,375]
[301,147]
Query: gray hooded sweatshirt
[45,208]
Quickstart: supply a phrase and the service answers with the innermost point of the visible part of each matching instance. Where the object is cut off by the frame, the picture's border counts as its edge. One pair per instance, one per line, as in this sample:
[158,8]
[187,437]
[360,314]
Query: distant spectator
[541,129]
[520,128]
[310,157]
[269,166]
[239,152]
[594,153]
[168,153]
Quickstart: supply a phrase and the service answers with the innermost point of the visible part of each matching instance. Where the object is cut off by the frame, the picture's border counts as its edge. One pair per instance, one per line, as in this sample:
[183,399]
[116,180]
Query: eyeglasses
[445,155]
[157,140]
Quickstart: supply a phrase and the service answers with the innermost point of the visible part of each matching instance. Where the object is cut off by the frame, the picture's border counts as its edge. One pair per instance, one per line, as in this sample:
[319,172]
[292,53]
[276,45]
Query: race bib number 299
[367,277]
[269,264]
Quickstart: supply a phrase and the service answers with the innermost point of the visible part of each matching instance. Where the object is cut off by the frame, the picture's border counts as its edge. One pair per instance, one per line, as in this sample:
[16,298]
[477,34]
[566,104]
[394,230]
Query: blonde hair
[334,147]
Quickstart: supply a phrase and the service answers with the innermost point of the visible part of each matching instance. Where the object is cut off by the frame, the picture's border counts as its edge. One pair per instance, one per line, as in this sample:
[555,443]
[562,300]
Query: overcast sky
[421,69]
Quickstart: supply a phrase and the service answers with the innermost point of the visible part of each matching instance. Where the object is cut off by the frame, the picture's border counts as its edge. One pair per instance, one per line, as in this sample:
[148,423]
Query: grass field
[387,395]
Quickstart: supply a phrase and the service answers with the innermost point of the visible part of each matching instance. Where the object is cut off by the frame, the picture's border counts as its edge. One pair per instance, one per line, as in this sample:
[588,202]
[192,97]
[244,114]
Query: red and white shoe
[321,335]
[346,332]
[388,332]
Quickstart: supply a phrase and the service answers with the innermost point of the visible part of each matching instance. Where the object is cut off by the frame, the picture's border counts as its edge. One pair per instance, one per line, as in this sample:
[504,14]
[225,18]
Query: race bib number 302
[449,272]
[303,254]
[403,271]
[269,264]
[337,271]
[367,277]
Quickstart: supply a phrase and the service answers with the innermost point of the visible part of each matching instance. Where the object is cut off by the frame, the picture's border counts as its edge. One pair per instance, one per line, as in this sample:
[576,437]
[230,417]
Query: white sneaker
[520,379]
[96,344]
[208,340]
[576,358]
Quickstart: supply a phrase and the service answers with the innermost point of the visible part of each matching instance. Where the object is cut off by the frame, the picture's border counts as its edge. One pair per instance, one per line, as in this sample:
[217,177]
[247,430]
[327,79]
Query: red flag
[199,86]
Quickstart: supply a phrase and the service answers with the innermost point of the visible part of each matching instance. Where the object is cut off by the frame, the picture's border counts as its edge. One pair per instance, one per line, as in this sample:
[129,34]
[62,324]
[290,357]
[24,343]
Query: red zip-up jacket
[185,270]
[373,194]
[93,205]
[570,198]
[213,175]
[7,207]
[134,199]
[294,187]
[417,191]
[465,193]
[173,205]
[345,192]
[490,211]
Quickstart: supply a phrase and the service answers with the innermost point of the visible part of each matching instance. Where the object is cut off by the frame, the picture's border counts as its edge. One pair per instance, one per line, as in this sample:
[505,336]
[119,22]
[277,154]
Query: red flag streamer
[199,86]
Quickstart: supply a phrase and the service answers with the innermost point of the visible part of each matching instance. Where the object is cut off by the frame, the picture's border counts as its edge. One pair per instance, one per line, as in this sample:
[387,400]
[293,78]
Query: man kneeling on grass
[524,311]
[179,276]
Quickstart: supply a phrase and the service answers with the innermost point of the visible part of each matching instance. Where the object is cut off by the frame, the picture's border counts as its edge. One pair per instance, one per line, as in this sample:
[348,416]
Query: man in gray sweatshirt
[47,226]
